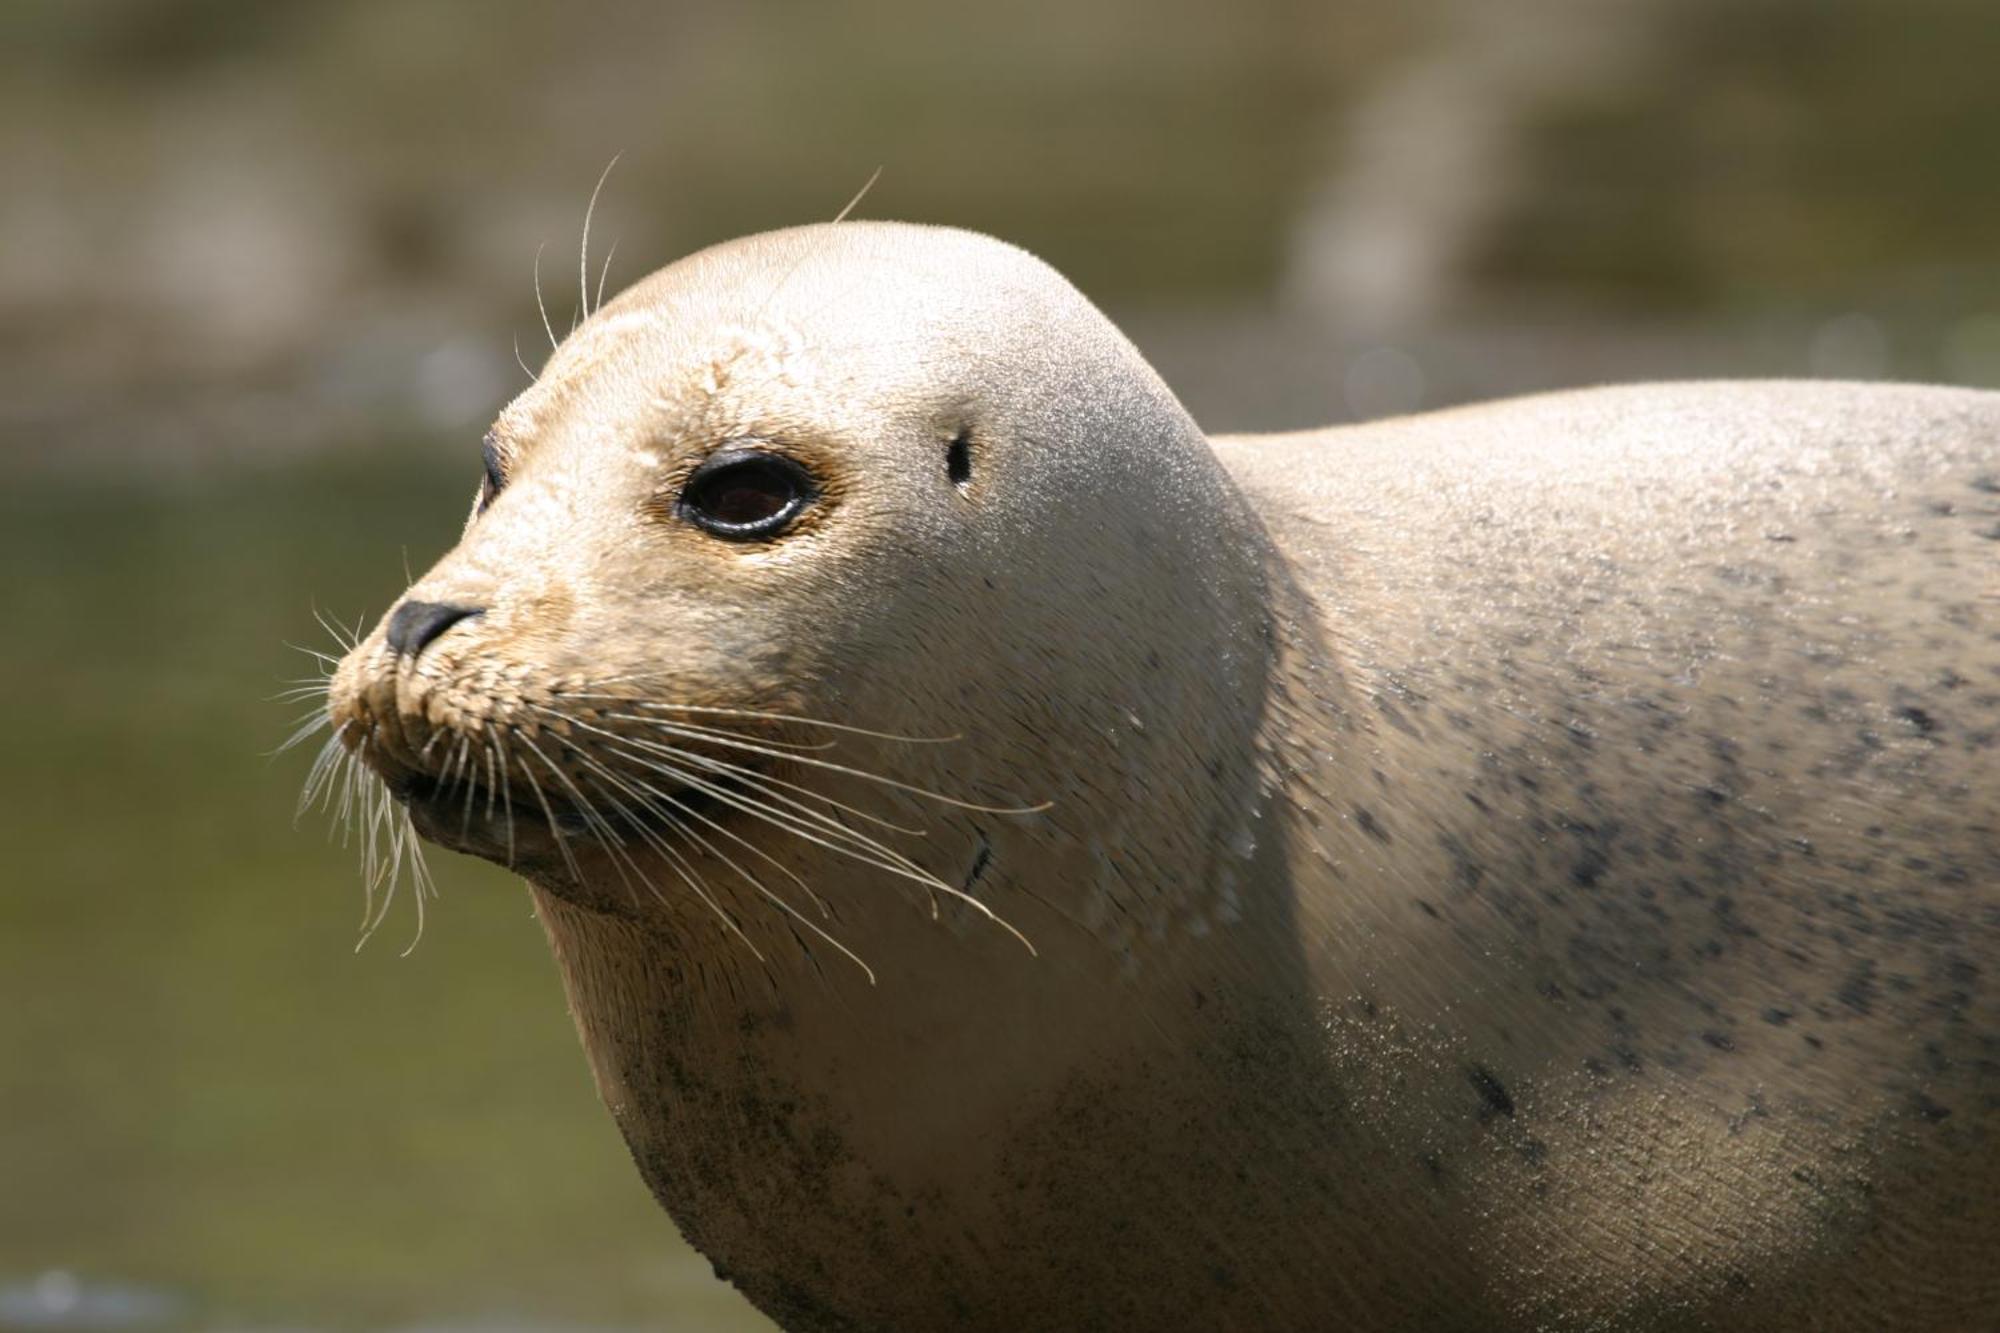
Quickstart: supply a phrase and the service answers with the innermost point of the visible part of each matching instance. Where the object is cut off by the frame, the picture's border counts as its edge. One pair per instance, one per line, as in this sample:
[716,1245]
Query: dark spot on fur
[1918,718]
[981,859]
[1931,1112]
[1365,818]
[1858,991]
[1465,871]
[1721,1041]
[1589,868]
[1492,1092]
[1777,1017]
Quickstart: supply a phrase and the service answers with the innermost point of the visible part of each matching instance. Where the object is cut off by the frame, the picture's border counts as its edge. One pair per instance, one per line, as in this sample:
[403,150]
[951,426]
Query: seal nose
[415,624]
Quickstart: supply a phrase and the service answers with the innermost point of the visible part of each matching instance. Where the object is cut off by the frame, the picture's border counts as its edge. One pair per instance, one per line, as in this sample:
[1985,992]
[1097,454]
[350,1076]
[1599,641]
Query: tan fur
[1530,866]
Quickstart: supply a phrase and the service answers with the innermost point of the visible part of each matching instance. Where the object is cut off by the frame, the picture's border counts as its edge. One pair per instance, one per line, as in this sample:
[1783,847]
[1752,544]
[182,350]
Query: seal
[1016,862]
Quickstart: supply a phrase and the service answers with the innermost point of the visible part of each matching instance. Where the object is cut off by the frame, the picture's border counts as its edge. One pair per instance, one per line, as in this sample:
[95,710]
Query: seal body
[1535,865]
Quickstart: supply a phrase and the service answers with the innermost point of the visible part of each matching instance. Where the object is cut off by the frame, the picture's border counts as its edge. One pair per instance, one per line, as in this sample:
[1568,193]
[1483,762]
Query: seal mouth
[536,781]
[522,828]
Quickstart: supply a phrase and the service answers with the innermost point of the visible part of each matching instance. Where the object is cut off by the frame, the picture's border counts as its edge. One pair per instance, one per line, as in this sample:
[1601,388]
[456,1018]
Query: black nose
[415,624]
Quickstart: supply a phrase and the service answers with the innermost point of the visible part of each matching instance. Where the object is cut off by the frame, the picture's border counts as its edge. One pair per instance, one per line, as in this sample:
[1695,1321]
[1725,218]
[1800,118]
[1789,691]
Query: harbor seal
[1016,862]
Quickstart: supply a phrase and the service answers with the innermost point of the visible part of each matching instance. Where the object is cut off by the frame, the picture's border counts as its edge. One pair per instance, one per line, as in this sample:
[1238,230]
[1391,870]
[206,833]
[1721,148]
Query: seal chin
[520,831]
[483,824]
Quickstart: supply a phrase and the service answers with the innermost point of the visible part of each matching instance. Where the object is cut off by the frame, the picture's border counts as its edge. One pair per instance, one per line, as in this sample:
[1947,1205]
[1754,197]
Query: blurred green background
[263,268]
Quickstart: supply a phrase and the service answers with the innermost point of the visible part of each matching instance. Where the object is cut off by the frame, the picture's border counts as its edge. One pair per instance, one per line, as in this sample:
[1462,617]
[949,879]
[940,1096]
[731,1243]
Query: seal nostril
[415,624]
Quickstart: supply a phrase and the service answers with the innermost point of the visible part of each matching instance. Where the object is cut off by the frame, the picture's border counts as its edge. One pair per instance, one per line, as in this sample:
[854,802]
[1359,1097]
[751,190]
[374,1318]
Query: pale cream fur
[1528,866]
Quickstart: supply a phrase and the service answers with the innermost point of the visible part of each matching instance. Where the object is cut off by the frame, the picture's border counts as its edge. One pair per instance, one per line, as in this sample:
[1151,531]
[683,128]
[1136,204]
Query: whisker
[540,305]
[609,841]
[751,713]
[809,746]
[562,843]
[739,771]
[584,757]
[827,764]
[765,781]
[583,252]
[506,798]
[605,272]
[898,864]
[636,751]
[859,195]
[303,730]
[757,884]
[325,659]
[324,765]
[346,639]
[800,262]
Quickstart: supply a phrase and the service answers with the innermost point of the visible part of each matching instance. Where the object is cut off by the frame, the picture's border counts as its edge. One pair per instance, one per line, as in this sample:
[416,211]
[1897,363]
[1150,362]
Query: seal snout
[416,624]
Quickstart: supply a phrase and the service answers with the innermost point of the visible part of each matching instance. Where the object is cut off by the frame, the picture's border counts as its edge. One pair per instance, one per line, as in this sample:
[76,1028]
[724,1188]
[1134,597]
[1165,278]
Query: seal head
[843,474]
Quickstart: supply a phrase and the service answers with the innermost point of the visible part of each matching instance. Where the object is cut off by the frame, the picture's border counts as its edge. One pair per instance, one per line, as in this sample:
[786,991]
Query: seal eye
[494,480]
[744,494]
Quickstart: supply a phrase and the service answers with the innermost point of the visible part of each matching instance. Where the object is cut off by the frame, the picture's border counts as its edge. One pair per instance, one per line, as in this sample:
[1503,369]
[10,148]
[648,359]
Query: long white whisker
[643,790]
[899,865]
[609,840]
[583,252]
[763,780]
[806,746]
[859,195]
[562,843]
[605,272]
[827,764]
[749,878]
[765,785]
[547,327]
[751,713]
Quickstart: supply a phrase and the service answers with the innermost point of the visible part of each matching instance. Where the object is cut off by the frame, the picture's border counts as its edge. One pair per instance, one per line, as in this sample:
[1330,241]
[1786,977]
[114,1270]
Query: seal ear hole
[958,459]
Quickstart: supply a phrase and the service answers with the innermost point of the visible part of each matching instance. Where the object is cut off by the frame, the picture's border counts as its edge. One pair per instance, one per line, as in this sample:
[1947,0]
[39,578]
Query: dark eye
[489,457]
[745,494]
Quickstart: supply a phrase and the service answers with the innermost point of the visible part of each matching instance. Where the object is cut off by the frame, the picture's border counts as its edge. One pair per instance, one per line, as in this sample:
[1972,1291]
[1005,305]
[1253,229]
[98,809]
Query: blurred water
[212,1109]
